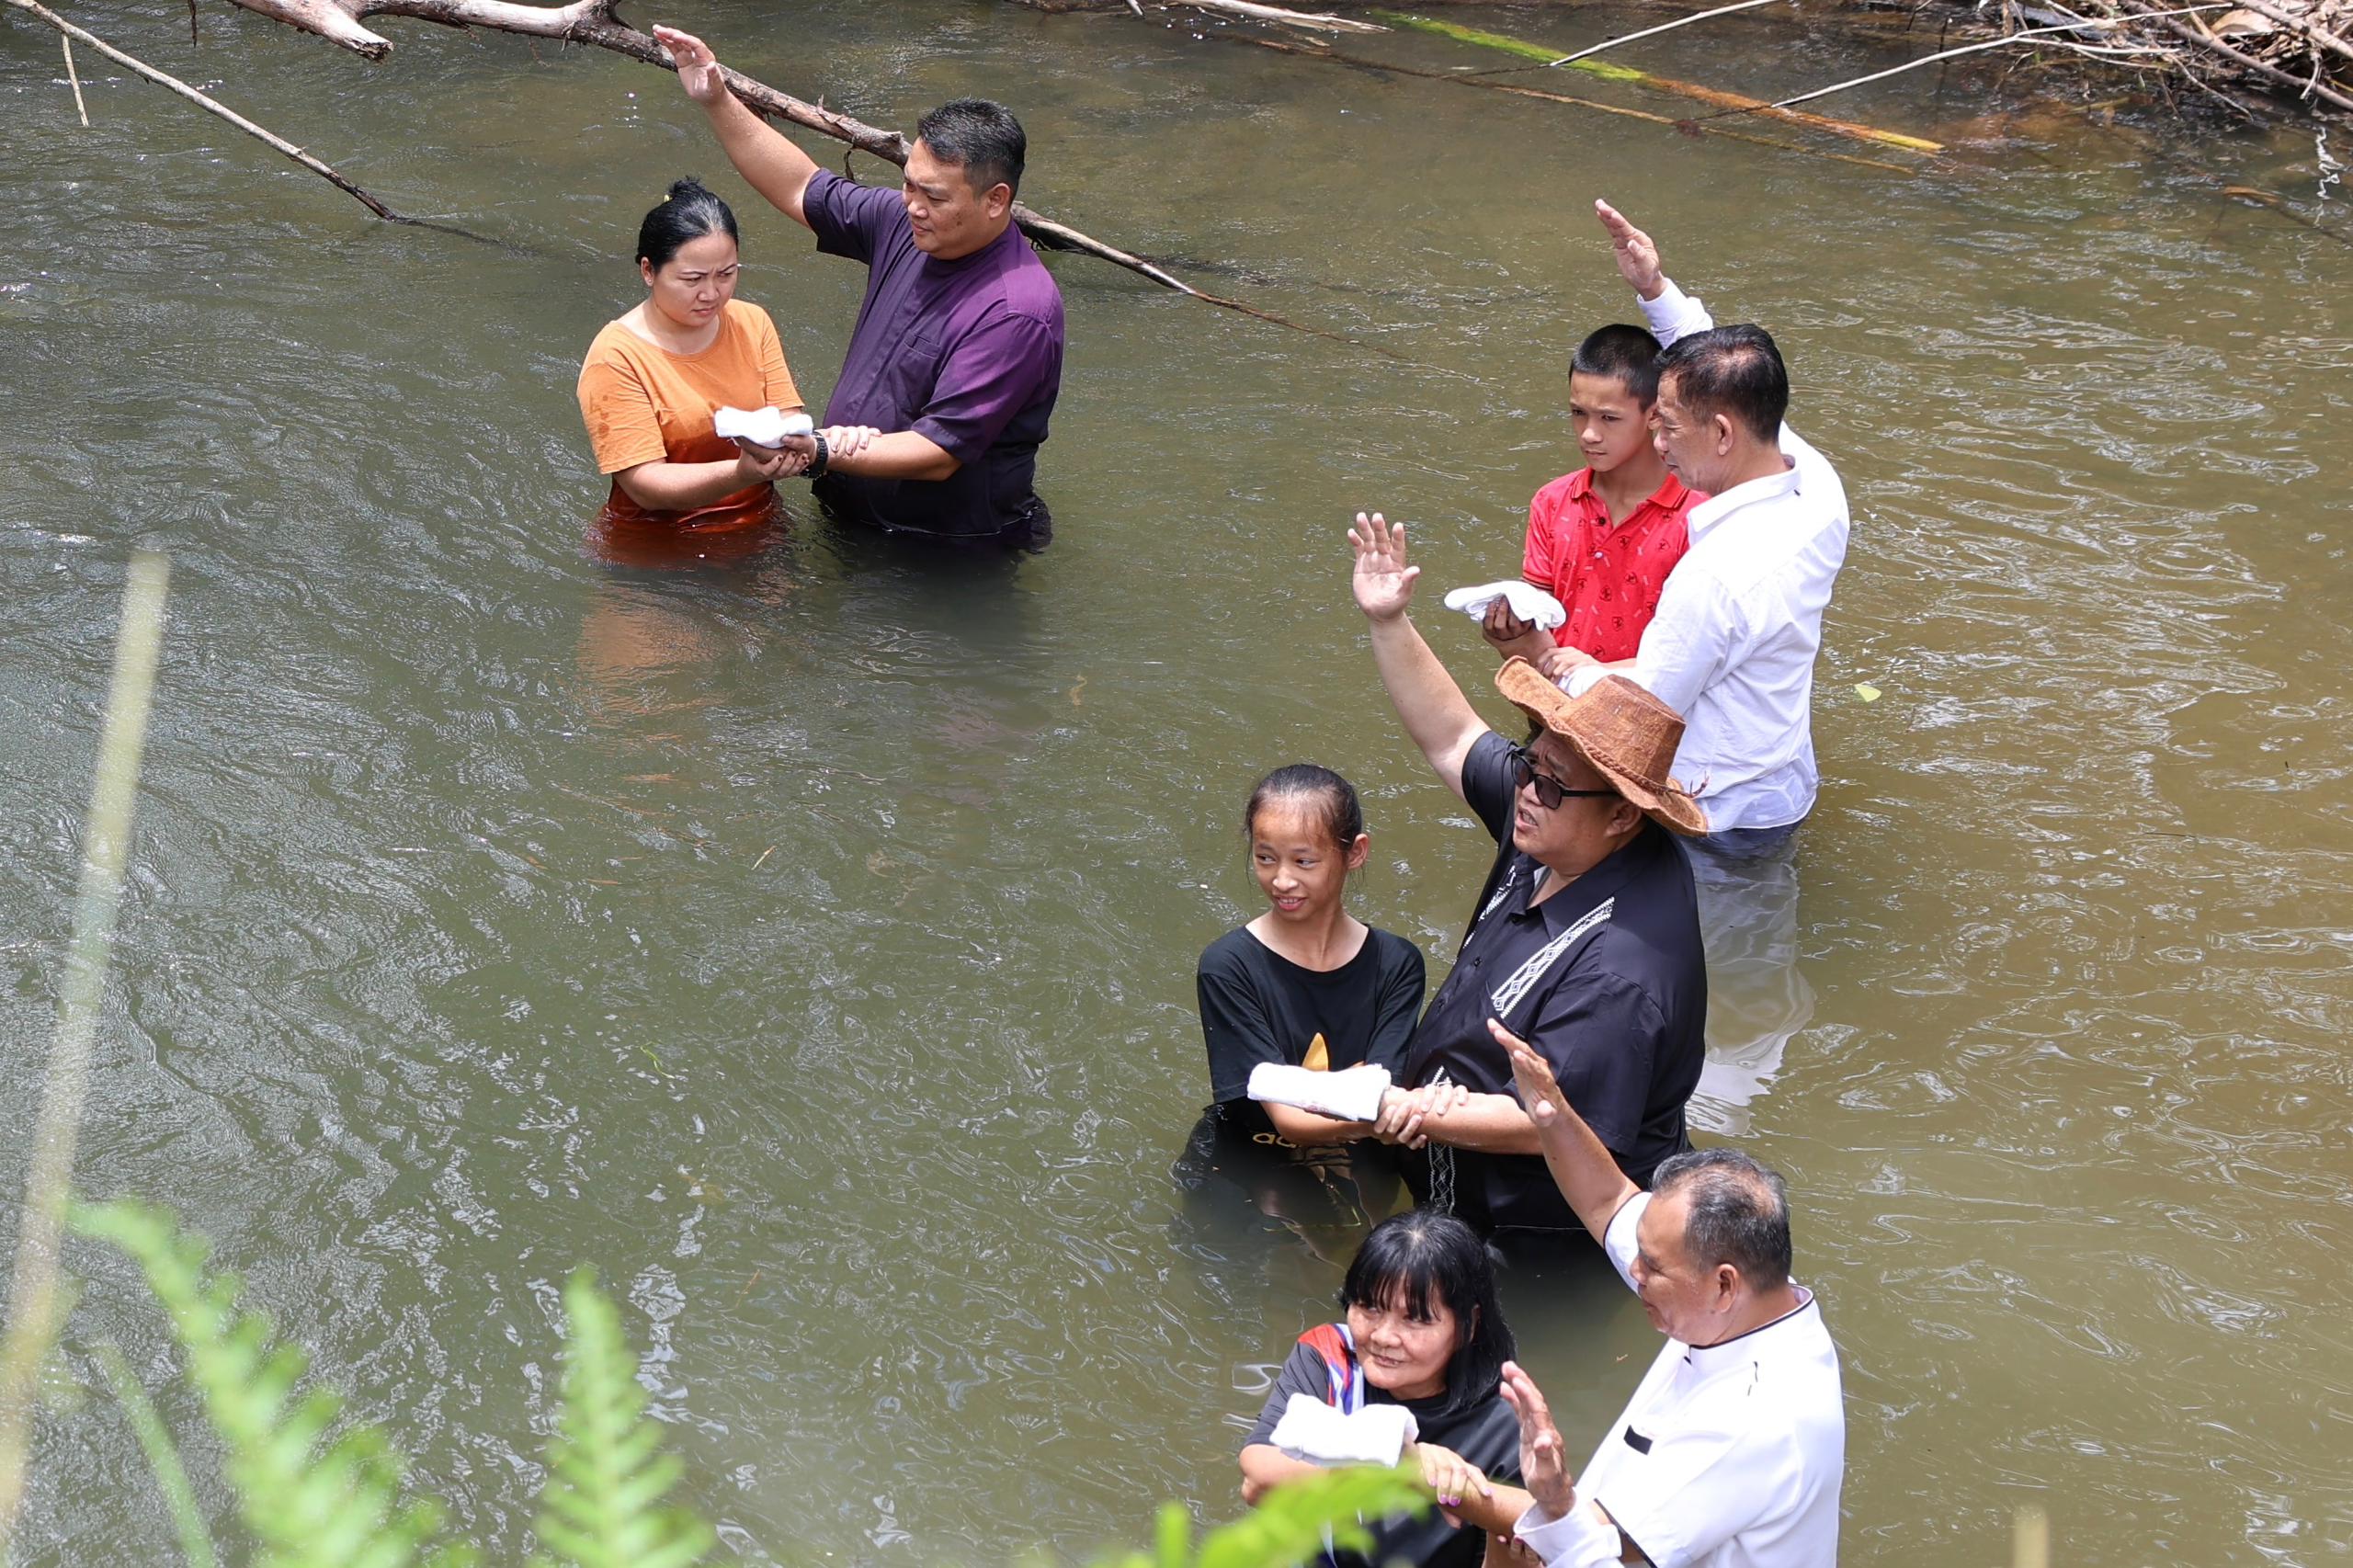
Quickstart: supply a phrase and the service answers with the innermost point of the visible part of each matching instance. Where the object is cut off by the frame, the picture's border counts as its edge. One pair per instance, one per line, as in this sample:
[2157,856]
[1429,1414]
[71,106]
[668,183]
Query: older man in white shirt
[1732,1452]
[1732,645]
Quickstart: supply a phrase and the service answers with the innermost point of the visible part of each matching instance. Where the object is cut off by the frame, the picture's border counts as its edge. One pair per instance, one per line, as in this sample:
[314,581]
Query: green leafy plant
[601,1506]
[308,1502]
[1290,1525]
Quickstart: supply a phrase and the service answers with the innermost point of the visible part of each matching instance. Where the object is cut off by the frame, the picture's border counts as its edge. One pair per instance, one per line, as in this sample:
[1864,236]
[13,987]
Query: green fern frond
[605,1475]
[1289,1526]
[306,1506]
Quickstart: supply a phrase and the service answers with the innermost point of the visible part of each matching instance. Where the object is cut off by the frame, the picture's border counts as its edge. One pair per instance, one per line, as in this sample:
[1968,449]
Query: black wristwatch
[817,463]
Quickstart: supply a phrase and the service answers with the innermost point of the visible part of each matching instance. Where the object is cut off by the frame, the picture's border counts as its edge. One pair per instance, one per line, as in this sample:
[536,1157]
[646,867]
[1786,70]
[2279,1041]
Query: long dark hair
[1418,1255]
[689,213]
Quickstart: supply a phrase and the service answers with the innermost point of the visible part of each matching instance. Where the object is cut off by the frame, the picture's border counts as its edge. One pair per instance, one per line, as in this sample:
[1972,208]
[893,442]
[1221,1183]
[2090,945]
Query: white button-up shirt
[1732,645]
[1728,1456]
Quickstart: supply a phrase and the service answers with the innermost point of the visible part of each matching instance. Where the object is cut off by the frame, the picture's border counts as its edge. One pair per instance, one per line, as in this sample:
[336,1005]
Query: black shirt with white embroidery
[1605,978]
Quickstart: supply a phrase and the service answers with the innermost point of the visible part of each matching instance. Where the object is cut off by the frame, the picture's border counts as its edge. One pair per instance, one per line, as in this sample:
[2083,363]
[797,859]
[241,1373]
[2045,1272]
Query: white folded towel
[1353,1094]
[761,426]
[1313,1431]
[1527,601]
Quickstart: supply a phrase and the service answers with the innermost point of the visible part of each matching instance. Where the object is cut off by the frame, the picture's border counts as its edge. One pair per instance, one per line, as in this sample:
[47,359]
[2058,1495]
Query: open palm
[1383,582]
[698,71]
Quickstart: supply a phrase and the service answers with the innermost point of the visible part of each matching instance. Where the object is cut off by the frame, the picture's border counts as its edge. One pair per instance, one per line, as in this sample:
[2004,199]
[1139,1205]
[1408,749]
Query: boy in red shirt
[1602,539]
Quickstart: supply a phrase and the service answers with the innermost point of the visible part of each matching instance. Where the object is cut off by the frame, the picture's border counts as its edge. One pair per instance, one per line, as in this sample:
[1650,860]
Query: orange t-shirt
[643,404]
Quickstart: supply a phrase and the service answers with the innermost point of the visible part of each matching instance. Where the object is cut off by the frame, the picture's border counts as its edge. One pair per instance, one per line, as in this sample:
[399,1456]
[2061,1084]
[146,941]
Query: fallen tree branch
[2314,38]
[1312,21]
[1687,127]
[74,78]
[344,23]
[1627,73]
[1608,44]
[2089,24]
[2244,61]
[211,106]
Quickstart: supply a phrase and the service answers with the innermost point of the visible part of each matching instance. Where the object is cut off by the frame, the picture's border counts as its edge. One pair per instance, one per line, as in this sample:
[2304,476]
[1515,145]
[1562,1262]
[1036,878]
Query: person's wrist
[820,460]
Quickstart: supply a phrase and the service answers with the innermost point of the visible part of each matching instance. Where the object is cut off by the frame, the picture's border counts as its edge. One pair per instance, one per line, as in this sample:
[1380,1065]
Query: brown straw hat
[1628,734]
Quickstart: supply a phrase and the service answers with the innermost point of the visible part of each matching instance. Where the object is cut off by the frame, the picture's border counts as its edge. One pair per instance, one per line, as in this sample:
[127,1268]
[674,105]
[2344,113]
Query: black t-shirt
[1606,978]
[1257,1005]
[1488,1436]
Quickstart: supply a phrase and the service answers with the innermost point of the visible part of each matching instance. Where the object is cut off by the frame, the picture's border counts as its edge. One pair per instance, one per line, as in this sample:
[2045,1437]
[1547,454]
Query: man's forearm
[1582,1168]
[903,454]
[1488,1124]
[767,158]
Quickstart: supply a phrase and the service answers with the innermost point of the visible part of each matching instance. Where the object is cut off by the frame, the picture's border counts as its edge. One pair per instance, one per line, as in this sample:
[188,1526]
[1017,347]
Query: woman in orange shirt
[655,376]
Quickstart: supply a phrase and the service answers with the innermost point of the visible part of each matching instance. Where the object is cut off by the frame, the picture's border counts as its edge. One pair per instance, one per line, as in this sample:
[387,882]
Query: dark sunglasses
[1549,791]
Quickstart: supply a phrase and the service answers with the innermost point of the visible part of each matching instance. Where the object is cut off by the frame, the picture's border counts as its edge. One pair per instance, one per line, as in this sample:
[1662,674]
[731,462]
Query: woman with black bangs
[1424,1330]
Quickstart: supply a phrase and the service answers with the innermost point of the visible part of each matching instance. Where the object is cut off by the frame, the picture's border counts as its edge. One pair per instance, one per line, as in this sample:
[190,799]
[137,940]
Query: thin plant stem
[106,848]
[163,1457]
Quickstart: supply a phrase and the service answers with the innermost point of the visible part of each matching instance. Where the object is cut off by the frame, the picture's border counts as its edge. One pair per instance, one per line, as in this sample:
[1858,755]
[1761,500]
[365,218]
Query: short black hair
[689,213]
[1628,355]
[1343,812]
[1420,1255]
[981,135]
[1734,370]
[1739,1213]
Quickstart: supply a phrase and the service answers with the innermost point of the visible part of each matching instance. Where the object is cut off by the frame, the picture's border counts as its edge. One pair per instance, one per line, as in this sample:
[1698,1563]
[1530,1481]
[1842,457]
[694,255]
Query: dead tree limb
[1310,21]
[597,22]
[2247,61]
[1690,127]
[210,104]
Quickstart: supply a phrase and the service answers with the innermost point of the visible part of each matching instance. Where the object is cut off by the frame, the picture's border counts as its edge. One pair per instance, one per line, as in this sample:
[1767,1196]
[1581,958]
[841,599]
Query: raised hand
[1383,583]
[1637,255]
[698,71]
[1543,1456]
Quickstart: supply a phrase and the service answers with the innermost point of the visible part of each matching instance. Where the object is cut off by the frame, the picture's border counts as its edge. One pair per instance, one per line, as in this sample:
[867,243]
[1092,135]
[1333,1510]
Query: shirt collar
[1668,496]
[933,264]
[1716,508]
[1741,1347]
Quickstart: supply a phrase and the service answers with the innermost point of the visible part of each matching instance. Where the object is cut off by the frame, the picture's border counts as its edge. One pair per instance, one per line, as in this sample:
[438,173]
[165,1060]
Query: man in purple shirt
[958,352]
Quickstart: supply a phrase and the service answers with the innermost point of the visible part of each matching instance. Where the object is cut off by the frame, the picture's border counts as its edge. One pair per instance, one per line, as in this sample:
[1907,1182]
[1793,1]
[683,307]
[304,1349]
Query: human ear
[998,201]
[1725,435]
[1359,852]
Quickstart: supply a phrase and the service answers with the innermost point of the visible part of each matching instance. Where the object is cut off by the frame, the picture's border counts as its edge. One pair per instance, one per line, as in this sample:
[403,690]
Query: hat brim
[1665,802]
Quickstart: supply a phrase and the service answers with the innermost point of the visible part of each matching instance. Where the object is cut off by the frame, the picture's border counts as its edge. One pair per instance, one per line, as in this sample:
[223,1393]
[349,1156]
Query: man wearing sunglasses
[1584,942]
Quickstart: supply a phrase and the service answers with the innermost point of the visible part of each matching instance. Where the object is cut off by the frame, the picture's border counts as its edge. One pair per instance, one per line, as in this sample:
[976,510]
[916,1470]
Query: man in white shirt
[1732,1452]
[1732,646]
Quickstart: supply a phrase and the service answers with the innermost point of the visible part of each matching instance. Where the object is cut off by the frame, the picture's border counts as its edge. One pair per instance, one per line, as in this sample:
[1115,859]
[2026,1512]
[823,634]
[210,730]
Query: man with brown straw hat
[1584,941]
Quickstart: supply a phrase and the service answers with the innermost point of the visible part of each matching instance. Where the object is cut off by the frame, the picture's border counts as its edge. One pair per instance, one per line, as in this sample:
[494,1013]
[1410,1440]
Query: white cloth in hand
[1527,601]
[1317,1432]
[1352,1094]
[761,426]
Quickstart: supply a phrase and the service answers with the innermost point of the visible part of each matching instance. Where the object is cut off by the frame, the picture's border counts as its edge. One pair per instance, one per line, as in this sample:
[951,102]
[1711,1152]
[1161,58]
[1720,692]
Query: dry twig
[210,104]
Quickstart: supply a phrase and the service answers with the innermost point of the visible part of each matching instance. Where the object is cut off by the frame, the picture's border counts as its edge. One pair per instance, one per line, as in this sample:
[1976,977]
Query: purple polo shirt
[967,352]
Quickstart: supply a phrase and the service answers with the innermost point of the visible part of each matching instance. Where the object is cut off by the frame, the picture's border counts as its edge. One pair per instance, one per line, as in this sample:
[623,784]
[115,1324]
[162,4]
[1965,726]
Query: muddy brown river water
[808,942]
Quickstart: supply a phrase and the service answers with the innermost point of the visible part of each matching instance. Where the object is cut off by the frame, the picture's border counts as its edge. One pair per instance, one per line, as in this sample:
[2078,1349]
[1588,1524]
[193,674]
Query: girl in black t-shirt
[1424,1329]
[1305,984]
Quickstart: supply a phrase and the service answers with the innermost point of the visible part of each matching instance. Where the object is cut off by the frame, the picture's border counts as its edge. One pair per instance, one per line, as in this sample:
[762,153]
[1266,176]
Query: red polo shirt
[1607,576]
